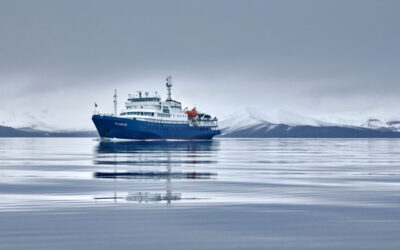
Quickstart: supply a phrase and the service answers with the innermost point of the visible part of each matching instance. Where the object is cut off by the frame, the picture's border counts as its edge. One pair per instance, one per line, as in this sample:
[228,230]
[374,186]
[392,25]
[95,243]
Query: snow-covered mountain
[251,118]
[394,125]
[280,123]
[44,121]
[6,131]
[375,119]
[375,123]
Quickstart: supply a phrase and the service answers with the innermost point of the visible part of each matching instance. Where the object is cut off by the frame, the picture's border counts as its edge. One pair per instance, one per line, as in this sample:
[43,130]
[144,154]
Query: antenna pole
[169,85]
[115,103]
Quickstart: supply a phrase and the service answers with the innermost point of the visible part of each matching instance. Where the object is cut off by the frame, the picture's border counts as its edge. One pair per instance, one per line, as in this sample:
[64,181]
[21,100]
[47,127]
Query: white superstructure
[149,107]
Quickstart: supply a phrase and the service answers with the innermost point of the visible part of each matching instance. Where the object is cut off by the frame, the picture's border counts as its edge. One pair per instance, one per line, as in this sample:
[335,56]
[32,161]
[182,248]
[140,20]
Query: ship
[147,117]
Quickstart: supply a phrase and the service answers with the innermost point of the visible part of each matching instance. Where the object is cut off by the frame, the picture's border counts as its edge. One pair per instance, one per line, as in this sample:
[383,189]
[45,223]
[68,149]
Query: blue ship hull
[124,128]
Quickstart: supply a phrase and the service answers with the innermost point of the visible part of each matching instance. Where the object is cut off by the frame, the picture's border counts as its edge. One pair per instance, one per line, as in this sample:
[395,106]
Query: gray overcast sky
[309,57]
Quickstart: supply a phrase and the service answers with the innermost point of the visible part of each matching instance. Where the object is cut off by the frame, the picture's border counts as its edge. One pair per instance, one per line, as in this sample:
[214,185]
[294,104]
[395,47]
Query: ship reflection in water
[141,168]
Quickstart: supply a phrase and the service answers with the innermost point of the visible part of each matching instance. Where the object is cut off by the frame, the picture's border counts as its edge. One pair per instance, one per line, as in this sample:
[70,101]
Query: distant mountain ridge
[283,124]
[254,123]
[30,132]
[374,123]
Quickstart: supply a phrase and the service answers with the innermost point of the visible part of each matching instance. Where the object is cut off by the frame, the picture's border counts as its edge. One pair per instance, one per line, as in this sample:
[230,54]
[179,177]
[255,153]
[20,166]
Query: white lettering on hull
[122,124]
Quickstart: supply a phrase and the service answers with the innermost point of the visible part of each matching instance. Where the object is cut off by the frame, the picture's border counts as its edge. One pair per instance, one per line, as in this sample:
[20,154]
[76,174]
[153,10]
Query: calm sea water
[74,193]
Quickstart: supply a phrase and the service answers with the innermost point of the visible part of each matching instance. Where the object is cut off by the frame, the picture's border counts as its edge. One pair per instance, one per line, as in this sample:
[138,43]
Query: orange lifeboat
[192,113]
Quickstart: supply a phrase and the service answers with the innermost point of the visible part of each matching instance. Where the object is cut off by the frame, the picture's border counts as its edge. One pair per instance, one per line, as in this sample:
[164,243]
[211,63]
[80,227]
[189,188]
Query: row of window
[145,99]
[145,106]
[138,113]
[150,114]
[169,115]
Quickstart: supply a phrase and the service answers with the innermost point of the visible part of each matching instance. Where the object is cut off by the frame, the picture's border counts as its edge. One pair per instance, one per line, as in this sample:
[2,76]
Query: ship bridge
[174,105]
[139,101]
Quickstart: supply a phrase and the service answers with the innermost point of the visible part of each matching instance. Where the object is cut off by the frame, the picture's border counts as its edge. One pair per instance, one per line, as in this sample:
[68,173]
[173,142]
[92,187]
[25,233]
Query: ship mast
[115,103]
[169,85]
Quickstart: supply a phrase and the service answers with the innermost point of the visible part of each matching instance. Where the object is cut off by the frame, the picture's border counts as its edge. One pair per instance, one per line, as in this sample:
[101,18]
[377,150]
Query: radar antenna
[169,85]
